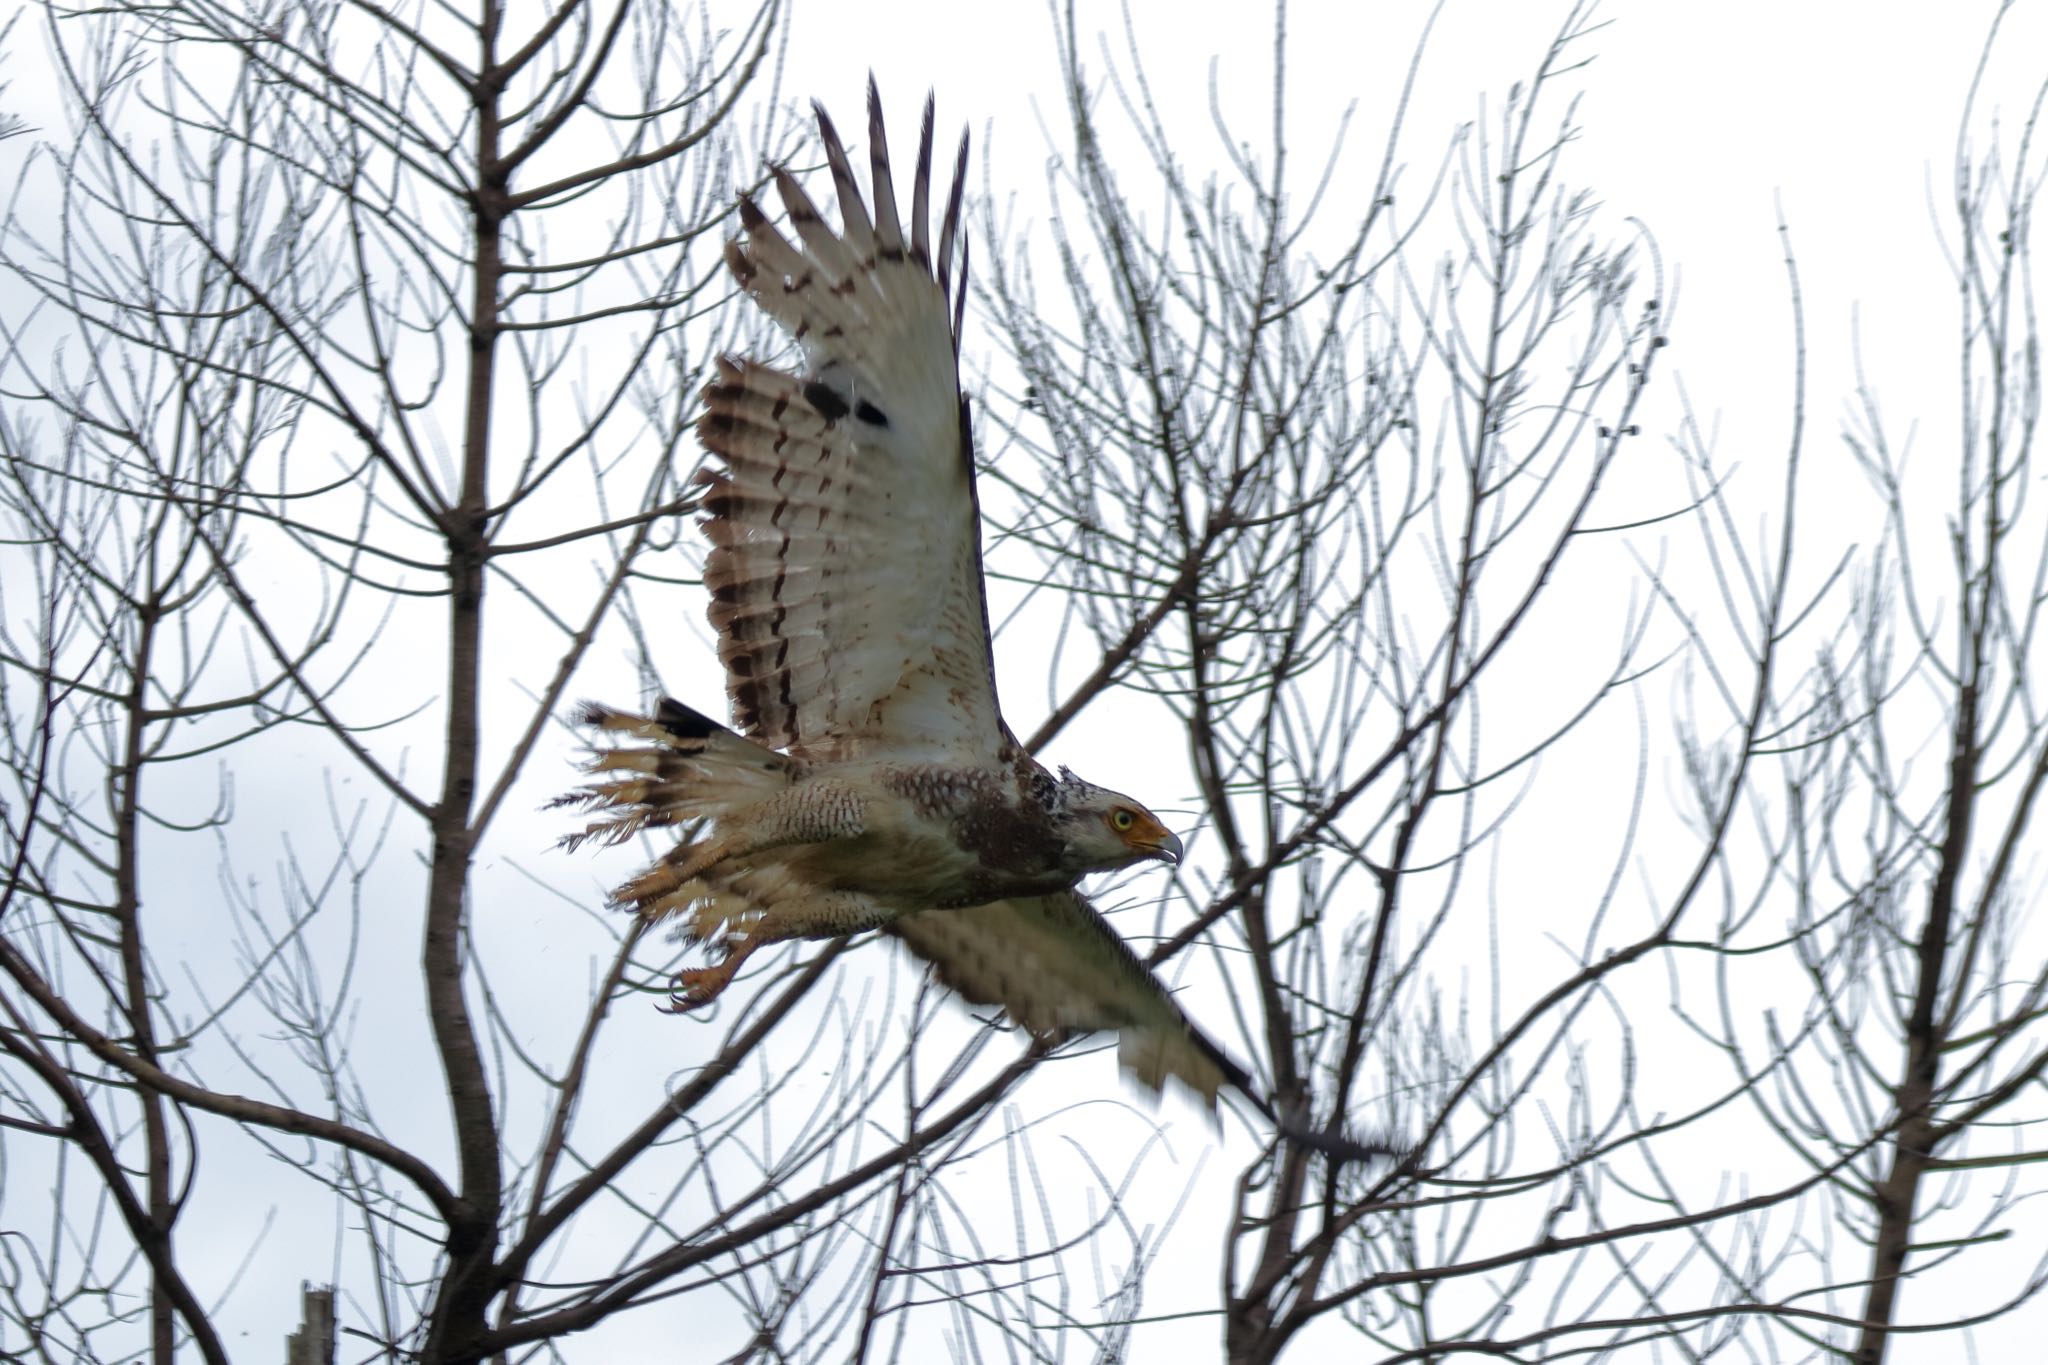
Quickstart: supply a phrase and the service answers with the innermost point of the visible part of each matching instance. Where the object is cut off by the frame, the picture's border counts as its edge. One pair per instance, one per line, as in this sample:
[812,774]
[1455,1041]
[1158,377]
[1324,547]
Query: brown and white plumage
[845,569]
[872,782]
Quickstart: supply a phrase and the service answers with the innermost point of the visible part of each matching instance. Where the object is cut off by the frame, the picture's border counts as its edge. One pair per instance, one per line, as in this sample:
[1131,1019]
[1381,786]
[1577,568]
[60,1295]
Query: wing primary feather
[853,214]
[951,227]
[960,302]
[736,261]
[888,231]
[767,249]
[921,190]
[826,247]
[751,217]
[967,456]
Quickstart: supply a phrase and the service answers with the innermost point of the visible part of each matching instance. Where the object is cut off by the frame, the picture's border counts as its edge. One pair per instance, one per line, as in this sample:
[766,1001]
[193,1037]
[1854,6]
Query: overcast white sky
[1704,121]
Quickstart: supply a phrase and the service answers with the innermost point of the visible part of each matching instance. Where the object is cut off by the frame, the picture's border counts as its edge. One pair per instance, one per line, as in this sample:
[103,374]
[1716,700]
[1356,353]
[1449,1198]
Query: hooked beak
[1166,848]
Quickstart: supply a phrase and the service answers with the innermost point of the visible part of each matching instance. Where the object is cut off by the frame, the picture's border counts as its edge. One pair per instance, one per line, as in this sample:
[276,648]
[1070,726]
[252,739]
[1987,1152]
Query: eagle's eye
[1121,819]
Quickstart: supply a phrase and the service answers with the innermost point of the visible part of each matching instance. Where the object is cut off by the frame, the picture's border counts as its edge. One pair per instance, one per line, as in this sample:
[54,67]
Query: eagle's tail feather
[694,769]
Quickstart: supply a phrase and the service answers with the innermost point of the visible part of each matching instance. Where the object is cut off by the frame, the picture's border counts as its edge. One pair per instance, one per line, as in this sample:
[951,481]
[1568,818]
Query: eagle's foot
[696,987]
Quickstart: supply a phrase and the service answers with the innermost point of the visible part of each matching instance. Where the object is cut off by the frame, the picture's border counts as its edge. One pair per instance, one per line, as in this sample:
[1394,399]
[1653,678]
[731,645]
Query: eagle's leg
[696,987]
[812,914]
[686,863]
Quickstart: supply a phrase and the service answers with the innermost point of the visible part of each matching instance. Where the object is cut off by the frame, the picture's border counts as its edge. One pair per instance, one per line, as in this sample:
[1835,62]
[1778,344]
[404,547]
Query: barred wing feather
[845,568]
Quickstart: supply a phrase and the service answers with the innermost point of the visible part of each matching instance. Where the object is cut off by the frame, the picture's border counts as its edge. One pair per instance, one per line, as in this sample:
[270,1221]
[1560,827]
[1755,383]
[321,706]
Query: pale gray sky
[1702,121]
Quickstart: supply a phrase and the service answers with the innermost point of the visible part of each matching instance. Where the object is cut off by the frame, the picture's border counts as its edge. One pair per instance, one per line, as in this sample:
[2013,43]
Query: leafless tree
[346,325]
[1335,498]
[346,398]
[1909,804]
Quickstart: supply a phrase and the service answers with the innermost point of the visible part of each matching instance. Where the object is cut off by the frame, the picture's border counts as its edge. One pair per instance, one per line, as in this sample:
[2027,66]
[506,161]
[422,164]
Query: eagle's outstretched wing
[1056,967]
[845,569]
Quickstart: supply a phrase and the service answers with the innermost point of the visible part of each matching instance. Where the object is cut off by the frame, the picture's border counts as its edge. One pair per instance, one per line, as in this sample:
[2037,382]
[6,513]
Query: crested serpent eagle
[871,782]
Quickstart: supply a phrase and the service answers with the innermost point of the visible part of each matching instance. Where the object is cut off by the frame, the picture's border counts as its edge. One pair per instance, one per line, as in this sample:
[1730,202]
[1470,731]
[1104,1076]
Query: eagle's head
[1102,830]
